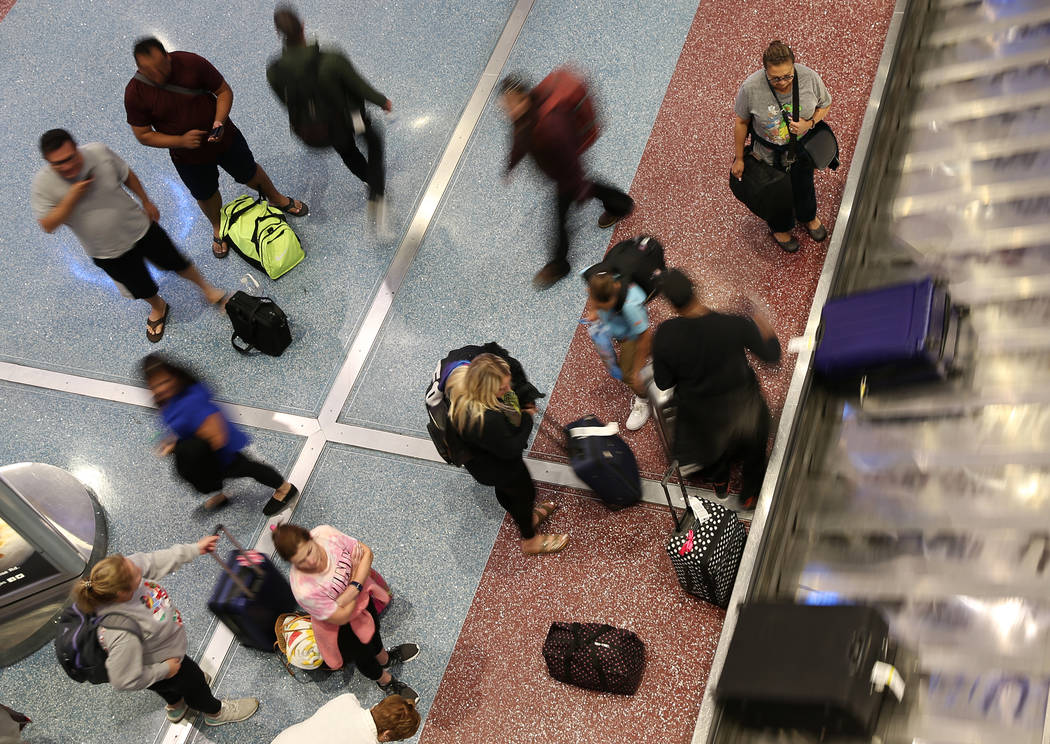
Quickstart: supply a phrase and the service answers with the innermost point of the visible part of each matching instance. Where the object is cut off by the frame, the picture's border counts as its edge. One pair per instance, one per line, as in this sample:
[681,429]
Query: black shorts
[129,271]
[202,179]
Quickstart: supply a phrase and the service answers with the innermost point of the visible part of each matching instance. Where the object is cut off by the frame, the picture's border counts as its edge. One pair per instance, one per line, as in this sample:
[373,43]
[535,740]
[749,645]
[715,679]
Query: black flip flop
[290,206]
[152,325]
[219,249]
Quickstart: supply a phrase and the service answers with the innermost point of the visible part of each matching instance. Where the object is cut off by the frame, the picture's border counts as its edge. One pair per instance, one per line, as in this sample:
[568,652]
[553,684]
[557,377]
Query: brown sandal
[551,544]
[152,333]
[544,511]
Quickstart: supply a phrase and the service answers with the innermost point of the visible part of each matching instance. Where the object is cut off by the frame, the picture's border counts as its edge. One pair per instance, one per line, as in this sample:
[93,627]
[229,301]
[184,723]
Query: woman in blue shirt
[208,448]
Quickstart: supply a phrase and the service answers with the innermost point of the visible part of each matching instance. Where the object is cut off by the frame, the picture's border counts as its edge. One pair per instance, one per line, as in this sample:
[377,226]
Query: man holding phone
[87,188]
[180,102]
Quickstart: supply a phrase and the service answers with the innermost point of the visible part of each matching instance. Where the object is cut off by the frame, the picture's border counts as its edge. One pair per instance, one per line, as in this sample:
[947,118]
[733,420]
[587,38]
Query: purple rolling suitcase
[249,595]
[891,336]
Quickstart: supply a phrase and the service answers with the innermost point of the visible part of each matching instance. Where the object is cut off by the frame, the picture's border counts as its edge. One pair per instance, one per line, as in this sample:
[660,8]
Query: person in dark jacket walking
[721,414]
[495,428]
[551,140]
[325,97]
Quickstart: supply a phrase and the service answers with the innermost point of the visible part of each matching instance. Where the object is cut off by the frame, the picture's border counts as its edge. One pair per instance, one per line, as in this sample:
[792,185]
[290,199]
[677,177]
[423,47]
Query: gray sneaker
[234,711]
[401,654]
[397,687]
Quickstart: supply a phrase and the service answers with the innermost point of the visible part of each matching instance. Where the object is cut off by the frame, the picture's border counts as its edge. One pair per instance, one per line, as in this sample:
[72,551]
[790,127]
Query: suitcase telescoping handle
[671,470]
[222,564]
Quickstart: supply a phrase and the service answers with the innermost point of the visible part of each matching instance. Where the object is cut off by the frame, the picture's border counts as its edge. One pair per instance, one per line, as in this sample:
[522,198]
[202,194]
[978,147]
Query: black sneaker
[397,687]
[401,654]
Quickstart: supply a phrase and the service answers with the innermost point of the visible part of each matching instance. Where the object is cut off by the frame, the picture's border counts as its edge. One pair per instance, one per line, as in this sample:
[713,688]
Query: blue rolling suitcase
[249,595]
[602,460]
[891,336]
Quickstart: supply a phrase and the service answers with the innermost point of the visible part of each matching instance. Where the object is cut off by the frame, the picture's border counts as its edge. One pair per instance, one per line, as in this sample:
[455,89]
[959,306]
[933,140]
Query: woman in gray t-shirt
[759,103]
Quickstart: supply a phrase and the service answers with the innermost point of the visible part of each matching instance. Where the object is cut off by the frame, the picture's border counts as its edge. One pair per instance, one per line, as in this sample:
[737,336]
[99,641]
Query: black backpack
[444,435]
[76,645]
[638,261]
[259,323]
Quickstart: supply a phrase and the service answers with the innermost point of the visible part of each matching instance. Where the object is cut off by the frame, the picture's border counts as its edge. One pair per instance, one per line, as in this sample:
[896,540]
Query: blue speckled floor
[62,313]
[108,446]
[431,528]
[473,273]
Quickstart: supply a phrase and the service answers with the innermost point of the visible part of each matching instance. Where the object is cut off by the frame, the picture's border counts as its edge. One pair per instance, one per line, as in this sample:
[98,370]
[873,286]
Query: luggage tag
[696,506]
[885,675]
[798,344]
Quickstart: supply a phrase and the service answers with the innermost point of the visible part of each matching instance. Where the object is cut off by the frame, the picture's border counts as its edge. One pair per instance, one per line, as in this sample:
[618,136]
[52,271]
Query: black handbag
[259,323]
[819,145]
[763,189]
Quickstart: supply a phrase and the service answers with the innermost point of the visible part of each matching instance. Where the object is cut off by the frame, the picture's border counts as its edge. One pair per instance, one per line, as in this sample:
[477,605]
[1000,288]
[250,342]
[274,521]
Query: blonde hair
[109,578]
[478,392]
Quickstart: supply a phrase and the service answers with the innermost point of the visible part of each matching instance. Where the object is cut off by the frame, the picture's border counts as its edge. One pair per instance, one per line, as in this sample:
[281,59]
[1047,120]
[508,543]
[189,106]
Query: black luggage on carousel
[705,551]
[805,667]
[249,595]
[602,460]
[595,656]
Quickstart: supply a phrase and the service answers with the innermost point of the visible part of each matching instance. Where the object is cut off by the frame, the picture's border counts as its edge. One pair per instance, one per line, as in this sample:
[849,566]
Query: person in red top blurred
[551,139]
[179,101]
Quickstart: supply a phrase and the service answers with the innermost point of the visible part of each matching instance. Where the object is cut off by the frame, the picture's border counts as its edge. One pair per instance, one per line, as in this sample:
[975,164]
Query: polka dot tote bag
[595,656]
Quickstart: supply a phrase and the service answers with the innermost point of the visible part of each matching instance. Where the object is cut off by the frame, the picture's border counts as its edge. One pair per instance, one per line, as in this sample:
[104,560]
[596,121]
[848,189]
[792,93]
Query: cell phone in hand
[216,133]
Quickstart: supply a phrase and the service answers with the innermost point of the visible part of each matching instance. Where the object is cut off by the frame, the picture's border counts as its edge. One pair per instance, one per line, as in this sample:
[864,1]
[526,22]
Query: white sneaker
[234,711]
[639,414]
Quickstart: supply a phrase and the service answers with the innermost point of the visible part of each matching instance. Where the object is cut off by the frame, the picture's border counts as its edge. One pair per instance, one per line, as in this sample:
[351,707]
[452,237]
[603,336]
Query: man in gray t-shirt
[762,103]
[86,188]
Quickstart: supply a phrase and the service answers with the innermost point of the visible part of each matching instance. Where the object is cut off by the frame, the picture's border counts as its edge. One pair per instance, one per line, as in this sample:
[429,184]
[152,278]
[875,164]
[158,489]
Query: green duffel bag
[261,235]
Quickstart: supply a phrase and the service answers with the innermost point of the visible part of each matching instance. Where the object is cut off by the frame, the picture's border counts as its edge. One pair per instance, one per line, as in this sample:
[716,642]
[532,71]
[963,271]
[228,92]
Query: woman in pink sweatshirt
[332,579]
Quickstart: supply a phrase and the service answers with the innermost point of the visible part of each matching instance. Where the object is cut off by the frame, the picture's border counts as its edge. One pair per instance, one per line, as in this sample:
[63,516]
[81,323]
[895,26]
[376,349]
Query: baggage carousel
[933,503]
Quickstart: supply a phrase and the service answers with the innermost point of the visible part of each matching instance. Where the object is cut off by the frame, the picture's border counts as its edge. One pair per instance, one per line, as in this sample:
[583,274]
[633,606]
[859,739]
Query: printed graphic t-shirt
[756,102]
[317,593]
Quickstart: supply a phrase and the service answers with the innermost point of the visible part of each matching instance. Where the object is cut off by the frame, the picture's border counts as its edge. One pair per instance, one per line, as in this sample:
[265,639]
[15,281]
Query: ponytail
[109,578]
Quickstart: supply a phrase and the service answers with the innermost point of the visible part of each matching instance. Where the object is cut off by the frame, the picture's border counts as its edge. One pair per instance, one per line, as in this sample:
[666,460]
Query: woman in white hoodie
[157,661]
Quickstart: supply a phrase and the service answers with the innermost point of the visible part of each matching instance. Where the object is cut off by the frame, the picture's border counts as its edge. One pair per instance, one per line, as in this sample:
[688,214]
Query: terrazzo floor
[654,68]
[682,194]
[615,570]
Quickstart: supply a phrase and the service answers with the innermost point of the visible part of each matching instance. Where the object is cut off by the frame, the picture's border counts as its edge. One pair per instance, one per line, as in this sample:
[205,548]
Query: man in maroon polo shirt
[179,101]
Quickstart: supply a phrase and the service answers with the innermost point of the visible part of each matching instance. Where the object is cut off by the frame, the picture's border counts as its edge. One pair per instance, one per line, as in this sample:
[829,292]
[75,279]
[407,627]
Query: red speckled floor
[682,190]
[5,5]
[615,570]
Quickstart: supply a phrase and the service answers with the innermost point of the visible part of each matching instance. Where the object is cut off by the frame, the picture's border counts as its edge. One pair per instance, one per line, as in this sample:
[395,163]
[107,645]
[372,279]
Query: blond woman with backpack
[141,632]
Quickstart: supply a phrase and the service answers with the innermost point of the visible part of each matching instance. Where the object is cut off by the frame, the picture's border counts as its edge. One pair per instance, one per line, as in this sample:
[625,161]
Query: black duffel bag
[763,189]
[259,323]
[595,656]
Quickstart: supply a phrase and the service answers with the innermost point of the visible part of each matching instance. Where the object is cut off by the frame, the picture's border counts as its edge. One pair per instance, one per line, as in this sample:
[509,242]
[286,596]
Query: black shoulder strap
[794,106]
[174,88]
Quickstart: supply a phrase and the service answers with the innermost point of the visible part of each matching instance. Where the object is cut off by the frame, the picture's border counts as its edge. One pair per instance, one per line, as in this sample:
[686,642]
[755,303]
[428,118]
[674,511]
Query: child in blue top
[208,448]
[621,309]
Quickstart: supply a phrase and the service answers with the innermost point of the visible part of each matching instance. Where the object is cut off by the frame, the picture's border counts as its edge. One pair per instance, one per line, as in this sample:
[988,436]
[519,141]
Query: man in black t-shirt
[721,415]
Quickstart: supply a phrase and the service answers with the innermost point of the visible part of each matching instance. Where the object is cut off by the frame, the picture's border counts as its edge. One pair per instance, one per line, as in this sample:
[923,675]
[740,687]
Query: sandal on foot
[214,502]
[544,511]
[275,505]
[219,248]
[819,235]
[301,211]
[551,544]
[790,245]
[155,328]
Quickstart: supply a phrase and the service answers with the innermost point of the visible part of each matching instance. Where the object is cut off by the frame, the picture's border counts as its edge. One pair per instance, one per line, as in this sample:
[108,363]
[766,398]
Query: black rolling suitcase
[602,460]
[705,553]
[805,667]
[249,595]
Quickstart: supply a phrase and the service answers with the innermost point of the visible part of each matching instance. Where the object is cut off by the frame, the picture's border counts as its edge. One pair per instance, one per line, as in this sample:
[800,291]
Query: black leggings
[188,684]
[198,464]
[363,655]
[515,492]
[372,171]
[614,201]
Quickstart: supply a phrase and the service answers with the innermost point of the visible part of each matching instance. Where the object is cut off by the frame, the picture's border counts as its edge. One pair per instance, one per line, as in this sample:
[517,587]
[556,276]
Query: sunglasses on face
[781,78]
